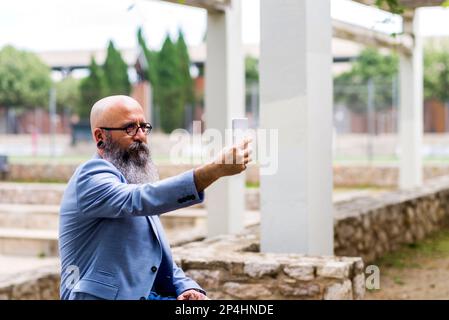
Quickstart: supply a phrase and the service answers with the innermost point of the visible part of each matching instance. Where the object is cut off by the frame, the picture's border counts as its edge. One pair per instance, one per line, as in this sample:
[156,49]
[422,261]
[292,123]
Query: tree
[188,93]
[351,88]
[67,94]
[151,59]
[115,72]
[251,70]
[168,93]
[92,89]
[392,5]
[436,73]
[24,79]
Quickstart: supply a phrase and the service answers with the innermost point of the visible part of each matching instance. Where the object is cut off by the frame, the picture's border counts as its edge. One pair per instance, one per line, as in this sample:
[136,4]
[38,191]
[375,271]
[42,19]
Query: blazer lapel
[153,227]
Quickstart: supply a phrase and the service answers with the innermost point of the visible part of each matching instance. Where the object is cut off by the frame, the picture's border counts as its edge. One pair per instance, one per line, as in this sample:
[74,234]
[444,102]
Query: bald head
[110,110]
[128,151]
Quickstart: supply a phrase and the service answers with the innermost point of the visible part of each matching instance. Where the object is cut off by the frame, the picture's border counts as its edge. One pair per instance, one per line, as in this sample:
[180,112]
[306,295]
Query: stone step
[51,194]
[29,216]
[28,242]
[31,193]
[44,242]
[21,216]
[46,217]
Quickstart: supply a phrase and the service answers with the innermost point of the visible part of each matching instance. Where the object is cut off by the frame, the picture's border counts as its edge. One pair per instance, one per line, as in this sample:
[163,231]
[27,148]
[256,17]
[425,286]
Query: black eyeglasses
[132,129]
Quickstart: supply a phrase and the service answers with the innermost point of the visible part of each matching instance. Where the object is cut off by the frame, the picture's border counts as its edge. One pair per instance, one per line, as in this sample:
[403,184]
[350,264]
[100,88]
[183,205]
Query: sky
[47,25]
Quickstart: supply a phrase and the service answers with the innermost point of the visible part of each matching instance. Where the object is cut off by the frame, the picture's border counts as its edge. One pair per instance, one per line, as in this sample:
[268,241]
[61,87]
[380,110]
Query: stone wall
[344,176]
[369,227]
[38,284]
[229,267]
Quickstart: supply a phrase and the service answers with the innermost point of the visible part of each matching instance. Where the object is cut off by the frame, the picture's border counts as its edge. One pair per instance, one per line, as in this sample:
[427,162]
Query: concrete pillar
[224,97]
[411,109]
[296,99]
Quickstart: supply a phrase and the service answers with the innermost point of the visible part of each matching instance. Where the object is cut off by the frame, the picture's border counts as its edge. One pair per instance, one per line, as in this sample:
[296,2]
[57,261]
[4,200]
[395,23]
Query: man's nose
[140,135]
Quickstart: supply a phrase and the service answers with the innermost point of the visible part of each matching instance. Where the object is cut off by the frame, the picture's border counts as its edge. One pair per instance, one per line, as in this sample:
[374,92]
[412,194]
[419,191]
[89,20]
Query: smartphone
[239,128]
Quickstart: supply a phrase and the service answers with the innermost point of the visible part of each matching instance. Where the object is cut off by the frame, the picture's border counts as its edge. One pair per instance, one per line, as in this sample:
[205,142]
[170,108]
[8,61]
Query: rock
[300,271]
[339,291]
[334,269]
[309,290]
[358,286]
[246,291]
[257,269]
[209,279]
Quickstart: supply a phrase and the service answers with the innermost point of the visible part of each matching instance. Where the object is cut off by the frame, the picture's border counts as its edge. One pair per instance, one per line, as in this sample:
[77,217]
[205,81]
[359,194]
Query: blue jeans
[155,296]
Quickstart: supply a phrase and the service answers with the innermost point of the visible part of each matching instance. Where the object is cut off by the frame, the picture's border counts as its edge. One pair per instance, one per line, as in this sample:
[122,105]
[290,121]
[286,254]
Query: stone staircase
[29,218]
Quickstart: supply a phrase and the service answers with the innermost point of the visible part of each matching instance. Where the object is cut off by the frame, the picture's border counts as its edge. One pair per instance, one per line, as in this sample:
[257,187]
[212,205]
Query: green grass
[408,256]
[253,185]
[398,281]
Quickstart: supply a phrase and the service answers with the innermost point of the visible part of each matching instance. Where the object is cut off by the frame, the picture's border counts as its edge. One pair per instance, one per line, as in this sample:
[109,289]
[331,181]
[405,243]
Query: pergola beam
[402,43]
[217,6]
[407,4]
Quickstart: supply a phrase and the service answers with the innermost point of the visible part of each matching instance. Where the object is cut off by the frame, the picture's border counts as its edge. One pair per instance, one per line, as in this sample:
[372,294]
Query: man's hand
[231,161]
[192,295]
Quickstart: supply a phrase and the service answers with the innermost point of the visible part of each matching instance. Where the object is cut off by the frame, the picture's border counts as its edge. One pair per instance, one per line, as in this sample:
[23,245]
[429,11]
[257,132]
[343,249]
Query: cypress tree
[151,58]
[169,87]
[116,72]
[92,89]
[184,70]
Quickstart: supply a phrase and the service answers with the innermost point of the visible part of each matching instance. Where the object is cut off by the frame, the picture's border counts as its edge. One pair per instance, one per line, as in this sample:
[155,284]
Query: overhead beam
[402,43]
[407,4]
[213,6]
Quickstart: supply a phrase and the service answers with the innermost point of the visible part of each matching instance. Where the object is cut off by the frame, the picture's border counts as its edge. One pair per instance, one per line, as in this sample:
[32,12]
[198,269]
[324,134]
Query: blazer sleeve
[183,283]
[102,193]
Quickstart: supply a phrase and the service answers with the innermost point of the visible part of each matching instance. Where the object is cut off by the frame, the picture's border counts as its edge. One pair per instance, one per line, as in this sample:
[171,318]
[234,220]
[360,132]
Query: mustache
[137,152]
[137,147]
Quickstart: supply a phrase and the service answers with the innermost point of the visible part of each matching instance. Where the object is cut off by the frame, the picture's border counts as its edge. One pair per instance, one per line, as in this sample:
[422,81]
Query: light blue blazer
[111,241]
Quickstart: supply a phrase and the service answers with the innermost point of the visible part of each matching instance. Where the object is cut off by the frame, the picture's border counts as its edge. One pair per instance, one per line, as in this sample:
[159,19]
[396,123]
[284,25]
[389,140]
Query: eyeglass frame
[143,126]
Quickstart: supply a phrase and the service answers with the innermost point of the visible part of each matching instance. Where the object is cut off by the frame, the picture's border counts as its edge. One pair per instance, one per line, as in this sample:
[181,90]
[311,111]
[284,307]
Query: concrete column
[224,97]
[411,109]
[296,99]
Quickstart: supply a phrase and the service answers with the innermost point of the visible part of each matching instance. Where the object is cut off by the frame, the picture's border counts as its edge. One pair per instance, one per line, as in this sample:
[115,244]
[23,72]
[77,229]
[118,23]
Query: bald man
[111,241]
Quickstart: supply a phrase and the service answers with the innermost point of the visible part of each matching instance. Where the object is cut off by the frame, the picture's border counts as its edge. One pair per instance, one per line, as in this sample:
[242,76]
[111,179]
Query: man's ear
[99,138]
[98,134]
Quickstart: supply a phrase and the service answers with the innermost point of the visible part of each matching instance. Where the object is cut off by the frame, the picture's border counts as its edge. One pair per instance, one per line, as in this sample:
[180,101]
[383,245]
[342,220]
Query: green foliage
[411,255]
[251,69]
[115,73]
[168,92]
[151,58]
[67,94]
[392,5]
[188,94]
[24,79]
[436,73]
[92,89]
[351,88]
